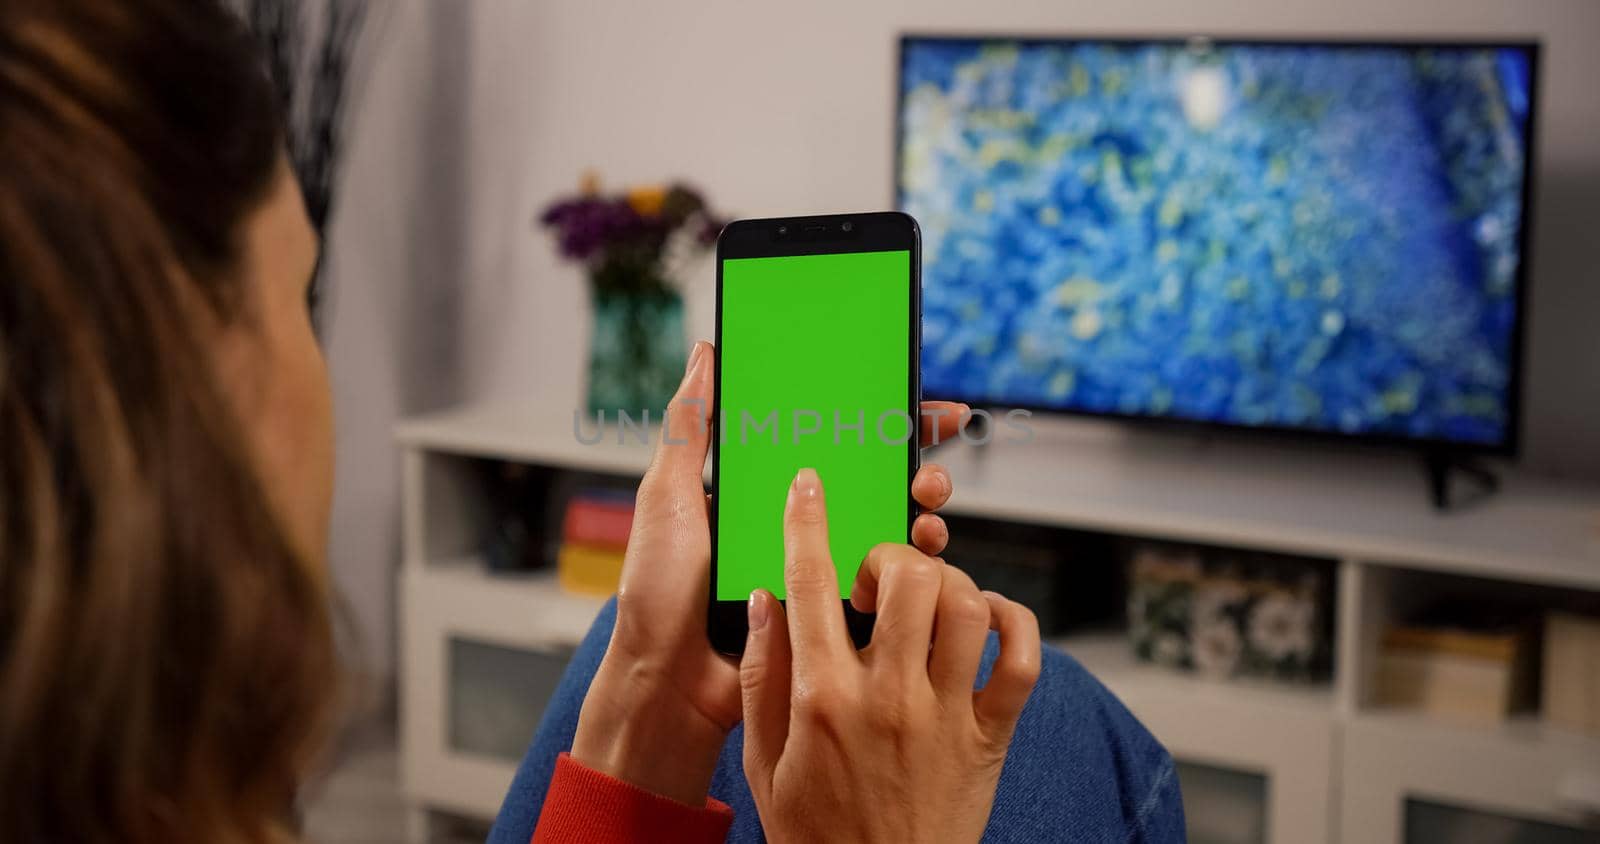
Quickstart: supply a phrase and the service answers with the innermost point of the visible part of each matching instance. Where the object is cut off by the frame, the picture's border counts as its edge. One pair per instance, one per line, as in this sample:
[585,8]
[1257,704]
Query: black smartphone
[819,327]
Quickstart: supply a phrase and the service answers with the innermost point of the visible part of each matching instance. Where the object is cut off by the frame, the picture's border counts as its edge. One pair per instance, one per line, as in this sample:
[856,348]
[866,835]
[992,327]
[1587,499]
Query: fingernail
[806,483]
[757,610]
[694,357]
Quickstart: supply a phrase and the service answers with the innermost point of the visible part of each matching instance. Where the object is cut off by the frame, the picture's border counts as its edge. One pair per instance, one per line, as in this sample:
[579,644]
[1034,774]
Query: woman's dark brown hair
[166,657]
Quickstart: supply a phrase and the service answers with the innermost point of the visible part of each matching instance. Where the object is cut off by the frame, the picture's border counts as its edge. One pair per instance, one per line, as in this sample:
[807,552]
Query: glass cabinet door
[1426,821]
[497,695]
[1223,805]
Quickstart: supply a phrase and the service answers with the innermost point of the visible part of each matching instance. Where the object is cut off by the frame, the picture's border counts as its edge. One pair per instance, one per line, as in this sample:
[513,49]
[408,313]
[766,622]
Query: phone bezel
[880,231]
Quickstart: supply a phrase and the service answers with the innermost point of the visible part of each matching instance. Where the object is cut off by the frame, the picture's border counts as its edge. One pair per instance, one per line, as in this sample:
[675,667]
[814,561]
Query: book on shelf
[587,570]
[601,519]
[1459,674]
[594,540]
[1572,672]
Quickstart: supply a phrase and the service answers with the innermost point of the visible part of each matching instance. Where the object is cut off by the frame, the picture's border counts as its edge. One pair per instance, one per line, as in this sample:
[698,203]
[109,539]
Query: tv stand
[1326,752]
[1440,467]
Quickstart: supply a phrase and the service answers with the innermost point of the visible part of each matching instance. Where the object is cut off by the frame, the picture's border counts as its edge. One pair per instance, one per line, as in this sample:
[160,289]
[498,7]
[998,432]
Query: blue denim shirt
[1081,768]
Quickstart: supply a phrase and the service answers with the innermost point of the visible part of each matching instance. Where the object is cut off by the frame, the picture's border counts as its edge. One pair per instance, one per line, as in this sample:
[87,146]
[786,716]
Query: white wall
[477,114]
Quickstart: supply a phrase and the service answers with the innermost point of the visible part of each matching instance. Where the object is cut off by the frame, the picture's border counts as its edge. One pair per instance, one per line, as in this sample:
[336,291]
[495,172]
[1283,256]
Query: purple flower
[597,229]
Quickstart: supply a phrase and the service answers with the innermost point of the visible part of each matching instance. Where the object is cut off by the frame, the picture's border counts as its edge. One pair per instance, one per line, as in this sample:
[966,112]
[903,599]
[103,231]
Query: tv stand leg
[1440,469]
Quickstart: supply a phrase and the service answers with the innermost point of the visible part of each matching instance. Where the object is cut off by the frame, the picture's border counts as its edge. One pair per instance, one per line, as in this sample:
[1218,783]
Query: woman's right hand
[891,743]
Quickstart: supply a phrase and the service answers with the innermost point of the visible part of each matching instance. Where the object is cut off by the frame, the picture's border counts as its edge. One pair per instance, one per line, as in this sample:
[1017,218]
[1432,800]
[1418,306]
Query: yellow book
[1476,677]
[589,570]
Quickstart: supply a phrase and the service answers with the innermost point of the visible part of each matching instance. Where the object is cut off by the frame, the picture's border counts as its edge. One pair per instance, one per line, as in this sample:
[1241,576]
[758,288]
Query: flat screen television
[1315,237]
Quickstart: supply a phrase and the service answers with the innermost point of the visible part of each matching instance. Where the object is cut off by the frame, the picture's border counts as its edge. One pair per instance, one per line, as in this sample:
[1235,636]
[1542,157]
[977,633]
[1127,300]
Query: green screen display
[815,366]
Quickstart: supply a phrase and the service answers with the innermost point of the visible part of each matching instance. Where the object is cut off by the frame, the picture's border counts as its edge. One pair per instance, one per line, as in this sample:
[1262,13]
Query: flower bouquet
[631,245]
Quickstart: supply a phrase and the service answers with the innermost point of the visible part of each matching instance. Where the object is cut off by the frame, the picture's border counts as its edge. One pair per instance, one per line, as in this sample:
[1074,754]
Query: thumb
[672,485]
[764,681]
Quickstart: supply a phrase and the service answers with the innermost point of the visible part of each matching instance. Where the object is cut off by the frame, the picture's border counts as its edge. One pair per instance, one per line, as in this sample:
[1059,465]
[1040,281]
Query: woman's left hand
[662,701]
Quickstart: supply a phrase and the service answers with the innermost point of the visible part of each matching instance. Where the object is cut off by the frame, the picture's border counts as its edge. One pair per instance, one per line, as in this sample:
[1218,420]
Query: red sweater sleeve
[584,805]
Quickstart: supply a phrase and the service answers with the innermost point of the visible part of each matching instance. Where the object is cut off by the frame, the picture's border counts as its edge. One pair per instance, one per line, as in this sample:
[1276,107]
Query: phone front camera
[847,226]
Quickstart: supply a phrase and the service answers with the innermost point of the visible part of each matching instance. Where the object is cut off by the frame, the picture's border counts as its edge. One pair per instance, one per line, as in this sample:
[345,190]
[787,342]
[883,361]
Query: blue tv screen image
[1289,236]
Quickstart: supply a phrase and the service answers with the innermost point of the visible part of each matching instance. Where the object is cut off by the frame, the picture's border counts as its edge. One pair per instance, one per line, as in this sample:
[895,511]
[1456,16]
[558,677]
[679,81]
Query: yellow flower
[647,201]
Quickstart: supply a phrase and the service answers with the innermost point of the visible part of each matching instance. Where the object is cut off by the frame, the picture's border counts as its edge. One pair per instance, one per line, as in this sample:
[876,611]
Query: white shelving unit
[455,598]
[1338,768]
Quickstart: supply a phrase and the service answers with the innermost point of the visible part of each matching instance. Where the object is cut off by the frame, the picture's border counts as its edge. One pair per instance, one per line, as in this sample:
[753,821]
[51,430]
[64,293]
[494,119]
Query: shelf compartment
[1390,594]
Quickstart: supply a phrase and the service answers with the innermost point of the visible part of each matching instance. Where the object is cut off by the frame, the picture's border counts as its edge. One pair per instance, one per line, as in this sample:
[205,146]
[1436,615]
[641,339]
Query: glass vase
[636,353]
